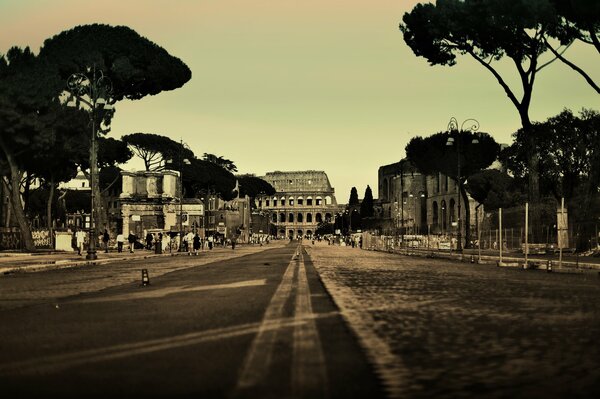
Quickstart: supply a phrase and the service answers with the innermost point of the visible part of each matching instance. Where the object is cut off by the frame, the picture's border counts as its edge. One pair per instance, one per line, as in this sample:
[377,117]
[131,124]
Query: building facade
[420,203]
[151,202]
[302,200]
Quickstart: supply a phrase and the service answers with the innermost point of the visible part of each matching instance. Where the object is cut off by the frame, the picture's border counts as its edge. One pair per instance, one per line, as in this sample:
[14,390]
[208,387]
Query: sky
[301,84]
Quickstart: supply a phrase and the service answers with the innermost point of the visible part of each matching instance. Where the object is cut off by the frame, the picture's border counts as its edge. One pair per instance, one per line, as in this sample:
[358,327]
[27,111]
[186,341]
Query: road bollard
[145,278]
[472,259]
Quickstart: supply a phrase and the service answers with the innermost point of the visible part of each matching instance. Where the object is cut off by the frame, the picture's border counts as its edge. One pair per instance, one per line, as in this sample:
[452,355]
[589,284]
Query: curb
[510,262]
[64,263]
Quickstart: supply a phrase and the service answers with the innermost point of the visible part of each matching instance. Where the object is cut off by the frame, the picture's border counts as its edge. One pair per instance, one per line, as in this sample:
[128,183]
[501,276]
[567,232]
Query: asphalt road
[257,326]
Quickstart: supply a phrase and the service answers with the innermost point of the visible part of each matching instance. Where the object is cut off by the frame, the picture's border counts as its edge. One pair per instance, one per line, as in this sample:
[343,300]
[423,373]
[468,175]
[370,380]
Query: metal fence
[542,228]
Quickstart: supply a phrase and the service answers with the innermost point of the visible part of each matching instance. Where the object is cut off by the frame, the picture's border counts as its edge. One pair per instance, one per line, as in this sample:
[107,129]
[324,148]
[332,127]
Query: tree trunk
[17,206]
[49,213]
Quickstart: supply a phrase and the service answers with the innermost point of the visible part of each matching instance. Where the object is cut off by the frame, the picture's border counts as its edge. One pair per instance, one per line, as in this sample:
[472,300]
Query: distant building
[150,201]
[78,183]
[302,200]
[419,203]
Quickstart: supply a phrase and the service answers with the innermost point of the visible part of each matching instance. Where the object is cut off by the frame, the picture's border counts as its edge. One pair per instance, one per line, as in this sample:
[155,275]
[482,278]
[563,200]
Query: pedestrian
[189,239]
[105,238]
[210,242]
[196,244]
[74,240]
[149,239]
[120,241]
[131,239]
[233,243]
[80,236]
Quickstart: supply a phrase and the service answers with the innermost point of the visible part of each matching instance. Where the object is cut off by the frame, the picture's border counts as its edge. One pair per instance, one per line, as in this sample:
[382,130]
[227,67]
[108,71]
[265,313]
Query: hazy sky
[304,84]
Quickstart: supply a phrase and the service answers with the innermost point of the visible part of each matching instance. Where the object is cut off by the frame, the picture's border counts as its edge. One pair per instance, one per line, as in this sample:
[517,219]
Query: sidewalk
[14,262]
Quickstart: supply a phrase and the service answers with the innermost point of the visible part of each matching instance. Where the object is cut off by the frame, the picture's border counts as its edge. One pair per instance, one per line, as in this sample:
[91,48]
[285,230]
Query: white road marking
[258,360]
[163,292]
[309,376]
[55,363]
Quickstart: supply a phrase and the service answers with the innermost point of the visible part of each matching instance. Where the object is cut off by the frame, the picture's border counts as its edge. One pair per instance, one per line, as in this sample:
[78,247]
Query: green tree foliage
[136,66]
[200,177]
[577,20]
[569,148]
[226,164]
[475,151]
[26,106]
[155,150]
[366,206]
[252,186]
[487,31]
[353,201]
[494,189]
[30,86]
[112,152]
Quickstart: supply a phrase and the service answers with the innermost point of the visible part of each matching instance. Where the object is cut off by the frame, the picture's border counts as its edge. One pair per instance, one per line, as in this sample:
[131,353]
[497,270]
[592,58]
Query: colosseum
[301,201]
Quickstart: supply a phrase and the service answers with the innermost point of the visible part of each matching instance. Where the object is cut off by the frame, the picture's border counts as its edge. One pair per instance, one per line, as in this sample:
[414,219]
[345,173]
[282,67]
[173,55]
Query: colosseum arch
[309,217]
[300,218]
[318,218]
[291,218]
[328,200]
[282,217]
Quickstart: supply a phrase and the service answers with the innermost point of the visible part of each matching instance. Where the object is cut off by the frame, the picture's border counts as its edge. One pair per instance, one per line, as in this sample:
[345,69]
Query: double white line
[309,376]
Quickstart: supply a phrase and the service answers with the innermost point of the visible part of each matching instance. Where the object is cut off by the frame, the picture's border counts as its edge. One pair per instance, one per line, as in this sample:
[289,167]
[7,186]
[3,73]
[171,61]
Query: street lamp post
[94,96]
[182,161]
[453,127]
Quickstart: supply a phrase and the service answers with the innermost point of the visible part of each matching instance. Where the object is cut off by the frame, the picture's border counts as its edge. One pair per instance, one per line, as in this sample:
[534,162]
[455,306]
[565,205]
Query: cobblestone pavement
[444,329]
[20,289]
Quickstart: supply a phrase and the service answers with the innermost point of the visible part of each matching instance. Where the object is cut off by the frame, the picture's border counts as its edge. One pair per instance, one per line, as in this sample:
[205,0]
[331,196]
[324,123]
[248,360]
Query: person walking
[149,239]
[131,240]
[105,238]
[120,241]
[80,237]
[196,244]
[189,239]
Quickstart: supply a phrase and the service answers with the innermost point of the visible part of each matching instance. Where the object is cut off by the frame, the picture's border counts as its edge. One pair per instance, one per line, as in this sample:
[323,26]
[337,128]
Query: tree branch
[555,57]
[574,67]
[506,88]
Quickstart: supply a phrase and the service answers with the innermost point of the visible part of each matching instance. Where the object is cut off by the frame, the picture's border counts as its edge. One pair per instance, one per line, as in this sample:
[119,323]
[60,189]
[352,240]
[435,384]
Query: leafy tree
[494,189]
[59,162]
[577,20]
[136,67]
[155,150]
[201,177]
[353,201]
[487,30]
[25,100]
[112,152]
[366,206]
[252,186]
[432,155]
[569,155]
[226,164]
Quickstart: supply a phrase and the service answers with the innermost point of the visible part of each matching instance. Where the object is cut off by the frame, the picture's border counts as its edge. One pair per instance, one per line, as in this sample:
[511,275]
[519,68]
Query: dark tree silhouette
[494,189]
[136,66]
[432,155]
[487,30]
[353,201]
[366,206]
[577,20]
[155,150]
[226,164]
